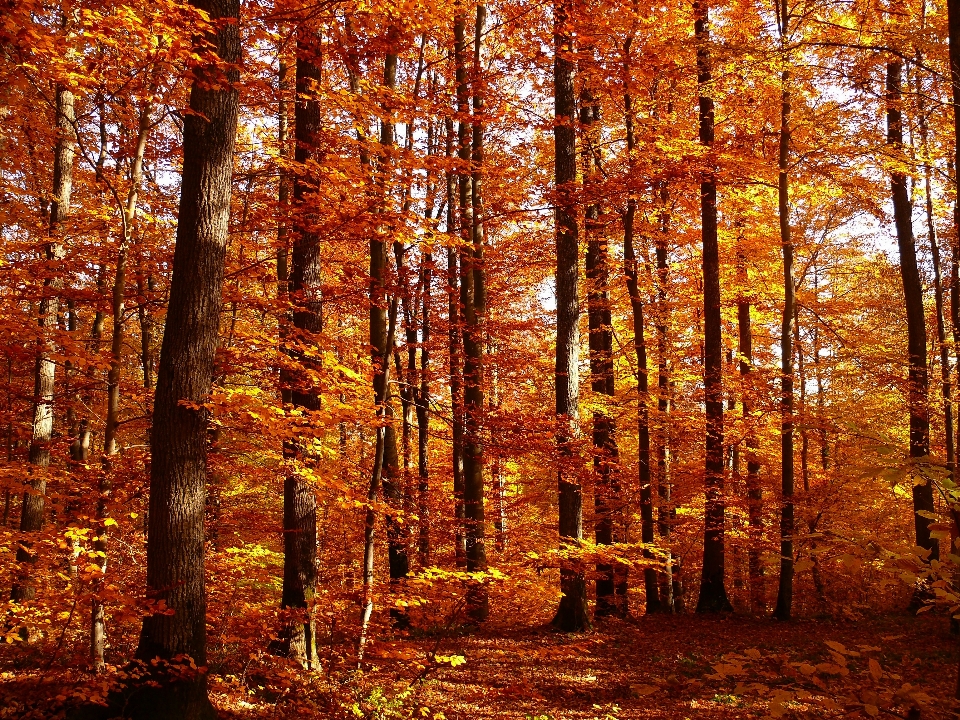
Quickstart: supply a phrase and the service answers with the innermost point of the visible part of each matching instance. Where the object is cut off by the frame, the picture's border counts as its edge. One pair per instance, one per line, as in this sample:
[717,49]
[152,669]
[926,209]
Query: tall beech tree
[45,368]
[918,381]
[755,569]
[572,614]
[785,591]
[713,592]
[605,346]
[304,293]
[611,600]
[175,553]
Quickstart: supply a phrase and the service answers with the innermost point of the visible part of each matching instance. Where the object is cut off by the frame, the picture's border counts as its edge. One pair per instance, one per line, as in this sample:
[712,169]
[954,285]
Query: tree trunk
[670,598]
[713,593]
[298,636]
[32,506]
[473,300]
[423,417]
[945,374]
[916,320]
[785,590]
[754,488]
[379,260]
[175,552]
[83,441]
[606,461]
[572,614]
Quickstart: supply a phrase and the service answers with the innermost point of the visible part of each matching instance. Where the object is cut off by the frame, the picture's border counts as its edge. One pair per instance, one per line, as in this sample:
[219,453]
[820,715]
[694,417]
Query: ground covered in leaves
[653,667]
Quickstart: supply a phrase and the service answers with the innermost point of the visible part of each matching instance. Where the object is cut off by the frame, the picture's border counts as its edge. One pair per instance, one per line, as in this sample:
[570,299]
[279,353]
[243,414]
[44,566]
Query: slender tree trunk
[785,590]
[423,416]
[298,636]
[110,445]
[473,300]
[32,506]
[379,260]
[175,550]
[572,614]
[713,593]
[381,379]
[670,598]
[945,373]
[631,270]
[496,470]
[953,24]
[606,461]
[916,321]
[754,488]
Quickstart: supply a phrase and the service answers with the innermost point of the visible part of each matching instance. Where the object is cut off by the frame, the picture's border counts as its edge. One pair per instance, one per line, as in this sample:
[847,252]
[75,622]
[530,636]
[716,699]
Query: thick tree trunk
[175,552]
[916,321]
[713,593]
[32,506]
[785,590]
[572,614]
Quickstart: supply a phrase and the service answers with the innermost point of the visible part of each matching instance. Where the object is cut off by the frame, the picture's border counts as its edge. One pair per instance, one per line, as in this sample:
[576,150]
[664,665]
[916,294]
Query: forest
[455,359]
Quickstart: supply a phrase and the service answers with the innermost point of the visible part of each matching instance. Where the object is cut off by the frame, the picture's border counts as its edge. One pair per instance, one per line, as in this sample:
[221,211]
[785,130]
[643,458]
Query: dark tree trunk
[785,589]
[572,614]
[32,506]
[713,593]
[379,260]
[916,321]
[946,391]
[423,416]
[606,461]
[473,301]
[653,603]
[175,552]
[670,595]
[754,489]
[298,637]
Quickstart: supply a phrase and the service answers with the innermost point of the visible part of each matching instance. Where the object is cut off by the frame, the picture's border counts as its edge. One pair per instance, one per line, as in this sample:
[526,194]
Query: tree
[572,615]
[175,554]
[785,592]
[713,593]
[31,514]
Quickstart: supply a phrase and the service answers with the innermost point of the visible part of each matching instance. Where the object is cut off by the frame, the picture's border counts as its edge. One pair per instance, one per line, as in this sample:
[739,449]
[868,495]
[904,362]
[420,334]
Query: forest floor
[676,667]
[682,667]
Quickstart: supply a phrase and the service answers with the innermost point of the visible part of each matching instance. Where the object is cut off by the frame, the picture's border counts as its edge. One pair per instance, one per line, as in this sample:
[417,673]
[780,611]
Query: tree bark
[175,551]
[713,593]
[32,506]
[785,590]
[473,301]
[606,461]
[298,636]
[916,320]
[572,614]
[755,571]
